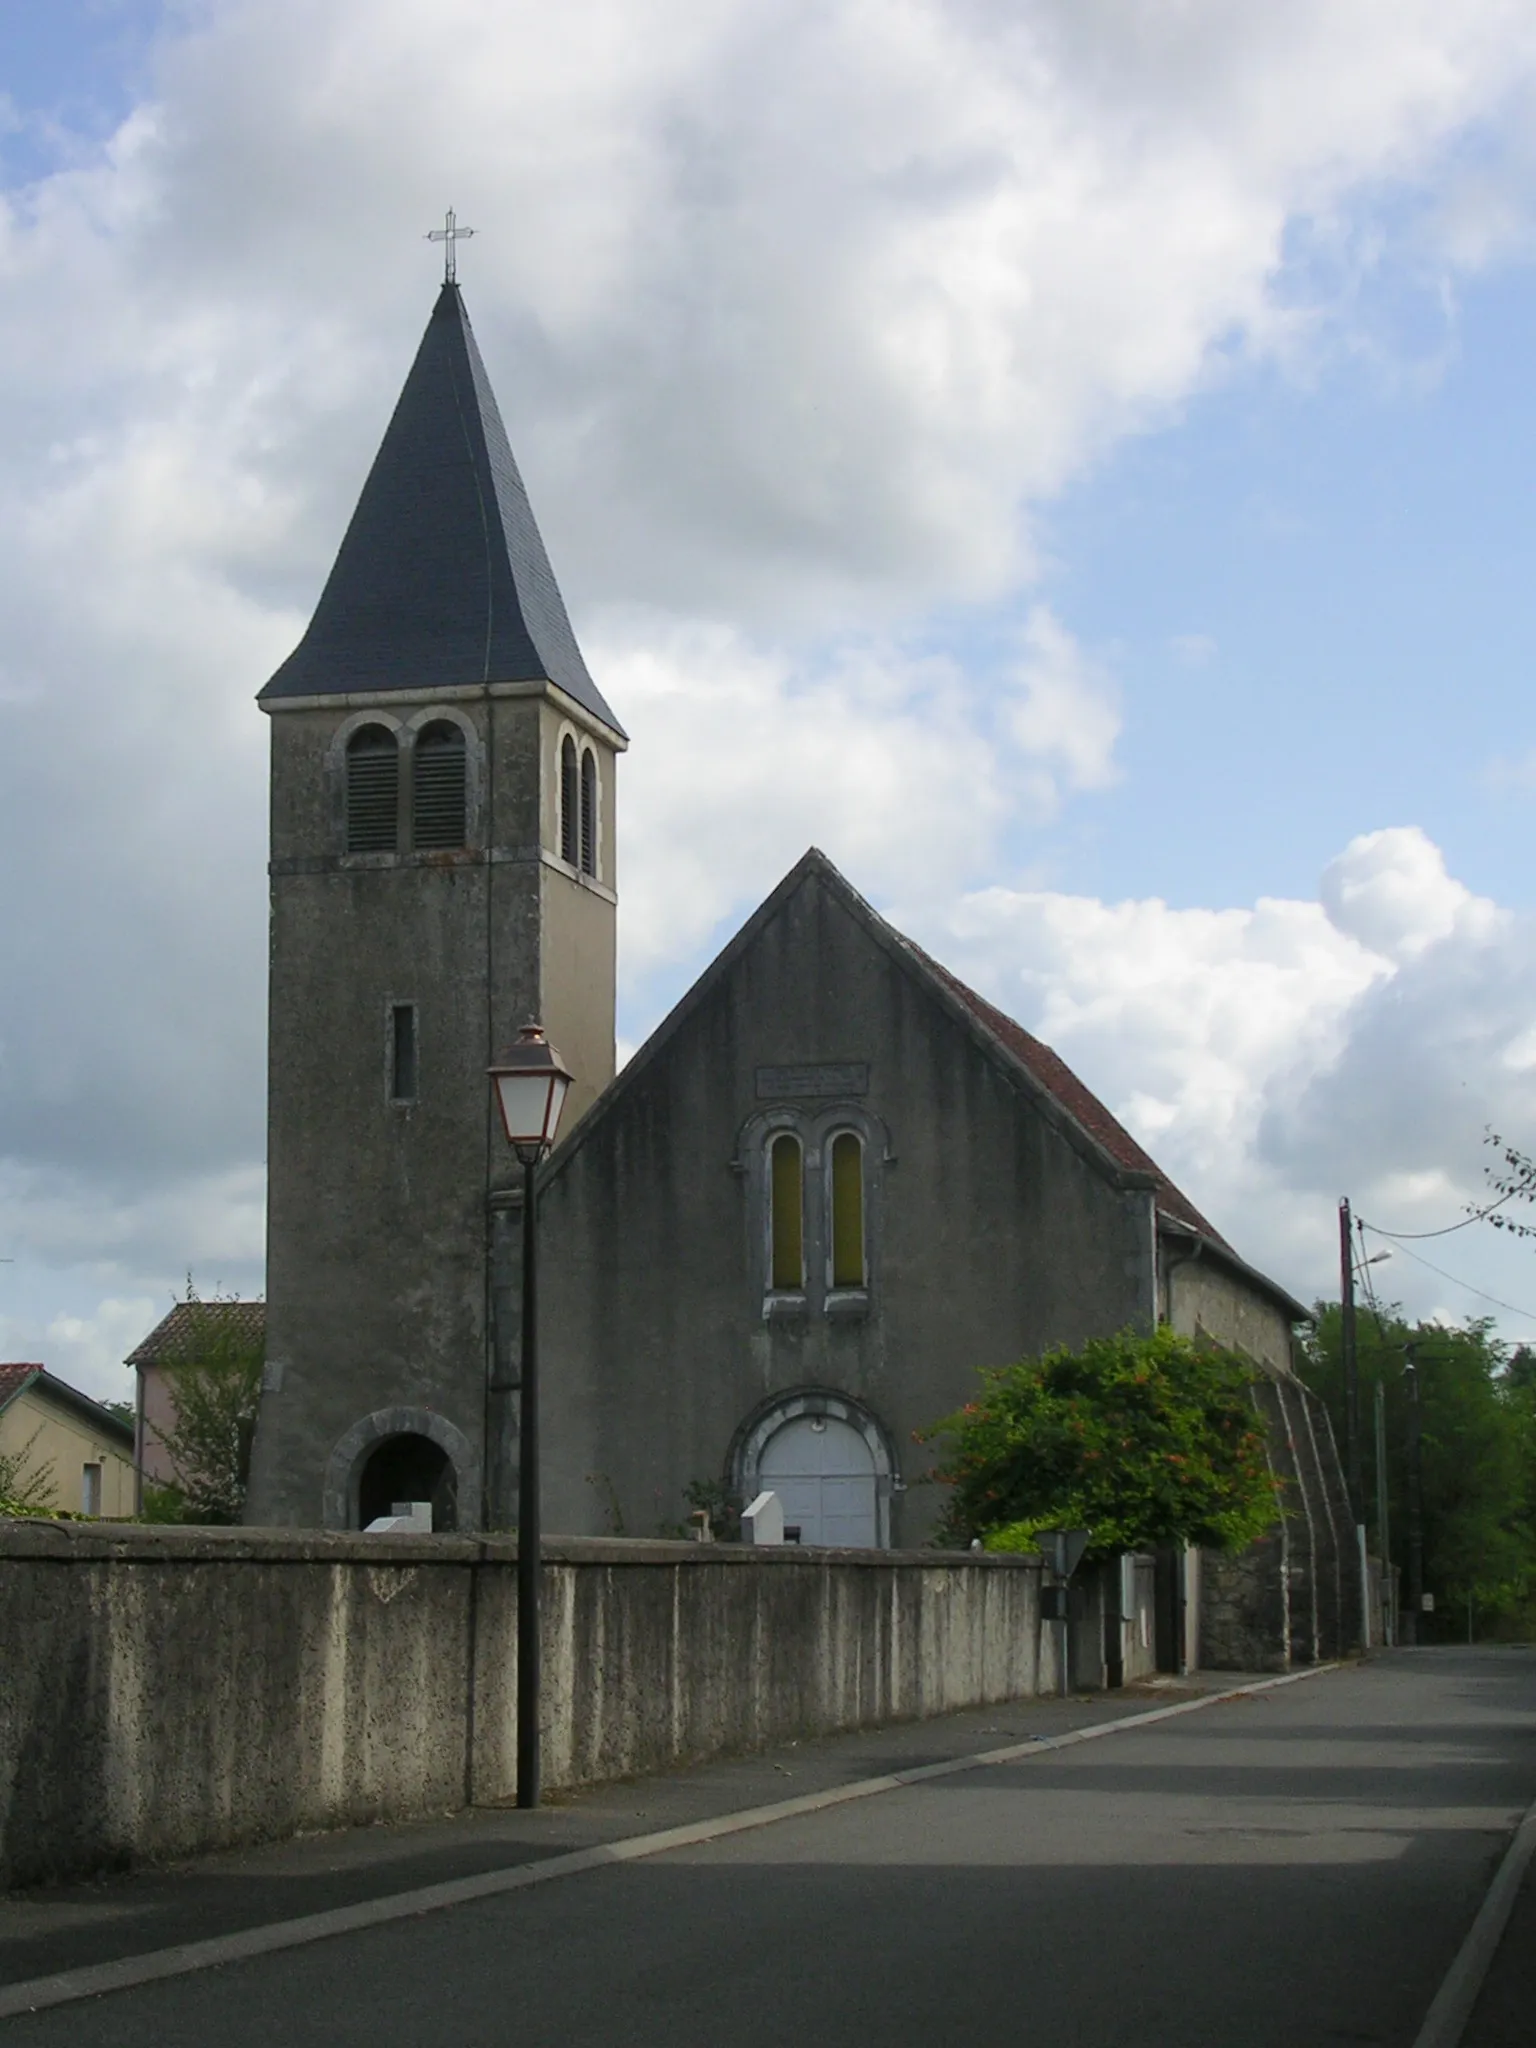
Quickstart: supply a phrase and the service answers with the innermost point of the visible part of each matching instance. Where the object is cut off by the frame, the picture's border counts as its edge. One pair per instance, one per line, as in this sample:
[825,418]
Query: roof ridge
[1073,1094]
[15,1378]
[168,1338]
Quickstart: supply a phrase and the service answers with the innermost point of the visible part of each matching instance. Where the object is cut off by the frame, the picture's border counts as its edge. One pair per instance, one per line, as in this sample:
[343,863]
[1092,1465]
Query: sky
[1068,459]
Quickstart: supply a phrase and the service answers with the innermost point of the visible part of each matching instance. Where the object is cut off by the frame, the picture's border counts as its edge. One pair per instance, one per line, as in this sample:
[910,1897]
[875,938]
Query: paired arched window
[373,791]
[786,1214]
[837,1219]
[578,806]
[439,791]
[439,785]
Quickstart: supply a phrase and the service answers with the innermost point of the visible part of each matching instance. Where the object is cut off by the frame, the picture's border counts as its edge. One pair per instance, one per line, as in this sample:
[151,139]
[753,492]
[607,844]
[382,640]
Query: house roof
[442,580]
[1076,1109]
[1079,1101]
[15,1379]
[182,1336]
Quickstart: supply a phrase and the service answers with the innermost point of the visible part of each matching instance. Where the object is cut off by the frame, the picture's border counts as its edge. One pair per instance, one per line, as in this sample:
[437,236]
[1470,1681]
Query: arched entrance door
[408,1467]
[824,1473]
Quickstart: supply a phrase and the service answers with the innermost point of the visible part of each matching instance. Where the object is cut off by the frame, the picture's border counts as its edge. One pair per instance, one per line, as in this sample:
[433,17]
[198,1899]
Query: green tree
[1142,1440]
[215,1390]
[26,1485]
[1477,1413]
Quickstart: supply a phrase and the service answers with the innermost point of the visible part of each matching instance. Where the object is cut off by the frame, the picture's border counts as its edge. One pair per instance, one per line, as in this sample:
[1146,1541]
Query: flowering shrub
[1142,1440]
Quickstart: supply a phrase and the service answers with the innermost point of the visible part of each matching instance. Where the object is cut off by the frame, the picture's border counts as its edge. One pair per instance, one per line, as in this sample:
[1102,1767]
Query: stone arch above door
[343,1467]
[766,1422]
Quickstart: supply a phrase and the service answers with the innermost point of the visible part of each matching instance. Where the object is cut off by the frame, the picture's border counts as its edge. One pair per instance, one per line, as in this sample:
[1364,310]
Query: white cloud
[904,767]
[797,311]
[1276,1058]
[88,1351]
[1390,891]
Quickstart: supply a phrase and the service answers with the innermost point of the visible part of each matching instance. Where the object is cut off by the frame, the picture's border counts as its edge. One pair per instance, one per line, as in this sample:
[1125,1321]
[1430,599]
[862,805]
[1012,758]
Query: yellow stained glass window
[847,1211]
[787,1215]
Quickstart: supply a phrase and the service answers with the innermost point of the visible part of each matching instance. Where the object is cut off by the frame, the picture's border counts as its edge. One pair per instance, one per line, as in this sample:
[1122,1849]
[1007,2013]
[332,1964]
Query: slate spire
[442,579]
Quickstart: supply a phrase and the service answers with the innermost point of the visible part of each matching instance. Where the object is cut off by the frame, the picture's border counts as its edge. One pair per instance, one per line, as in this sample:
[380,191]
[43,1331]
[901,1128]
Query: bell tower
[442,869]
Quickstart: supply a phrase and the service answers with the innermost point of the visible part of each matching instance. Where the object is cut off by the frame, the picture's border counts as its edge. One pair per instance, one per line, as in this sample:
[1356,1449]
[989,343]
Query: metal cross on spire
[448,234]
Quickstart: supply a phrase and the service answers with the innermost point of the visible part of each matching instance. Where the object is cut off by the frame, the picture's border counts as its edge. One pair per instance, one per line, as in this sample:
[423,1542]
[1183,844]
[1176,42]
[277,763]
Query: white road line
[94,1979]
[1446,2019]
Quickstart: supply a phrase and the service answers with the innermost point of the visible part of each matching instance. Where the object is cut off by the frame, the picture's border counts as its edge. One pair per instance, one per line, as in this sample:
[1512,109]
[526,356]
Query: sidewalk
[59,1928]
[1505,2013]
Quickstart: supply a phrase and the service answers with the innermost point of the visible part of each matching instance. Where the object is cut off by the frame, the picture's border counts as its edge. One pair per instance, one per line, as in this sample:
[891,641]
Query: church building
[833,1183]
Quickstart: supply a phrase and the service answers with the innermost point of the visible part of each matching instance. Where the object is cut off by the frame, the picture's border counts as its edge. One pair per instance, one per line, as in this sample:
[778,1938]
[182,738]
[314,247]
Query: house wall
[991,1234]
[166,1691]
[1295,1595]
[1200,1294]
[66,1443]
[158,1421]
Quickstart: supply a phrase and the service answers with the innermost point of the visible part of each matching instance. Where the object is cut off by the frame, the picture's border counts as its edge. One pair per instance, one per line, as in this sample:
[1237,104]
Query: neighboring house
[178,1339]
[86,1450]
[833,1183]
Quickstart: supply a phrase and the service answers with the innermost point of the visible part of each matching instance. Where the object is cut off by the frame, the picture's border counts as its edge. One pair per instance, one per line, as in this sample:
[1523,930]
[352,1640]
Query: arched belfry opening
[407,1467]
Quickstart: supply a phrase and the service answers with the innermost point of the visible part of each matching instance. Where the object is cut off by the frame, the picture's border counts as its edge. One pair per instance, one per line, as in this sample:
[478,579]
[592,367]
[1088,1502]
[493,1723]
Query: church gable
[821,1178]
[809,972]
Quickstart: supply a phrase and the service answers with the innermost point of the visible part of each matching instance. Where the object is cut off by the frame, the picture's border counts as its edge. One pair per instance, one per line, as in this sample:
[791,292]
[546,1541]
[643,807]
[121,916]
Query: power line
[1482,1295]
[1476,1216]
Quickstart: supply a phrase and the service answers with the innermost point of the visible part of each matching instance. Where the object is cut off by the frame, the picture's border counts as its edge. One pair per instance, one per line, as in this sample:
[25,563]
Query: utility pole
[1351,1359]
[1384,1515]
[1352,1467]
[1415,1602]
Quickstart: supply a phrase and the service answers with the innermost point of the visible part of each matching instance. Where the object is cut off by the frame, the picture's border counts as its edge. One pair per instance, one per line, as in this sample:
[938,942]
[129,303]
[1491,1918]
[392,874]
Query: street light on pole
[531,1083]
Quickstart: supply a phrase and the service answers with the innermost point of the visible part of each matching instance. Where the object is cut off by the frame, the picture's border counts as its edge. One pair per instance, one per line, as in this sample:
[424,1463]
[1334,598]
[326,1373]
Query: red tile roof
[181,1335]
[1079,1101]
[13,1378]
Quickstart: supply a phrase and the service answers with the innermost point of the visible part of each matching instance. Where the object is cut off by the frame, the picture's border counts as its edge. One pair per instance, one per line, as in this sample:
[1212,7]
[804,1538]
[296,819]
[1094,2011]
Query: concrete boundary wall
[169,1691]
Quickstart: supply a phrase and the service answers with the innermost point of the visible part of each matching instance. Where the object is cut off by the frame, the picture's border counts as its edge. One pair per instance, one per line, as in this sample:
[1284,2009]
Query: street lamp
[531,1084]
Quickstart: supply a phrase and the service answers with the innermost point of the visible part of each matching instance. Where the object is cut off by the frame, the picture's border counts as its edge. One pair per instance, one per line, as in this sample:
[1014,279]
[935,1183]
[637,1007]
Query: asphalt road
[1296,1867]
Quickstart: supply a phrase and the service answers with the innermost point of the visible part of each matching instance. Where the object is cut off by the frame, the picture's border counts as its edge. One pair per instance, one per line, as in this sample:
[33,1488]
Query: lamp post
[530,1083]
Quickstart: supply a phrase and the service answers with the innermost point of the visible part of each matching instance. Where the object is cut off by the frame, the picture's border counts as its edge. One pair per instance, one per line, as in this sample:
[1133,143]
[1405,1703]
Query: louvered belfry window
[438,788]
[588,812]
[373,791]
[570,803]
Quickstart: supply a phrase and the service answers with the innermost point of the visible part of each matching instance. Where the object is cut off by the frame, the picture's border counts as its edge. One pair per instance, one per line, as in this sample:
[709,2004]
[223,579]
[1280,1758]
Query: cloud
[1275,1058]
[906,767]
[799,313]
[1195,650]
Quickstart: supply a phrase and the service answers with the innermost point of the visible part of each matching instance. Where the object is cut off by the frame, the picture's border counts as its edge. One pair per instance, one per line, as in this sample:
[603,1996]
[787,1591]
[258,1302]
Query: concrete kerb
[1446,2020]
[95,1980]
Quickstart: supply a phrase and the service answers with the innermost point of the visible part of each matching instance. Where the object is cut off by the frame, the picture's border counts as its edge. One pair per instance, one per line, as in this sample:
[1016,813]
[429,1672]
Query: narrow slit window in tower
[402,1052]
[570,803]
[786,1219]
[588,812]
[373,791]
[847,1210]
[438,788]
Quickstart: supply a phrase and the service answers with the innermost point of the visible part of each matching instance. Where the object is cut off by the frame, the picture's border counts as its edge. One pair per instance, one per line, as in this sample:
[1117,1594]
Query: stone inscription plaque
[851,1078]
